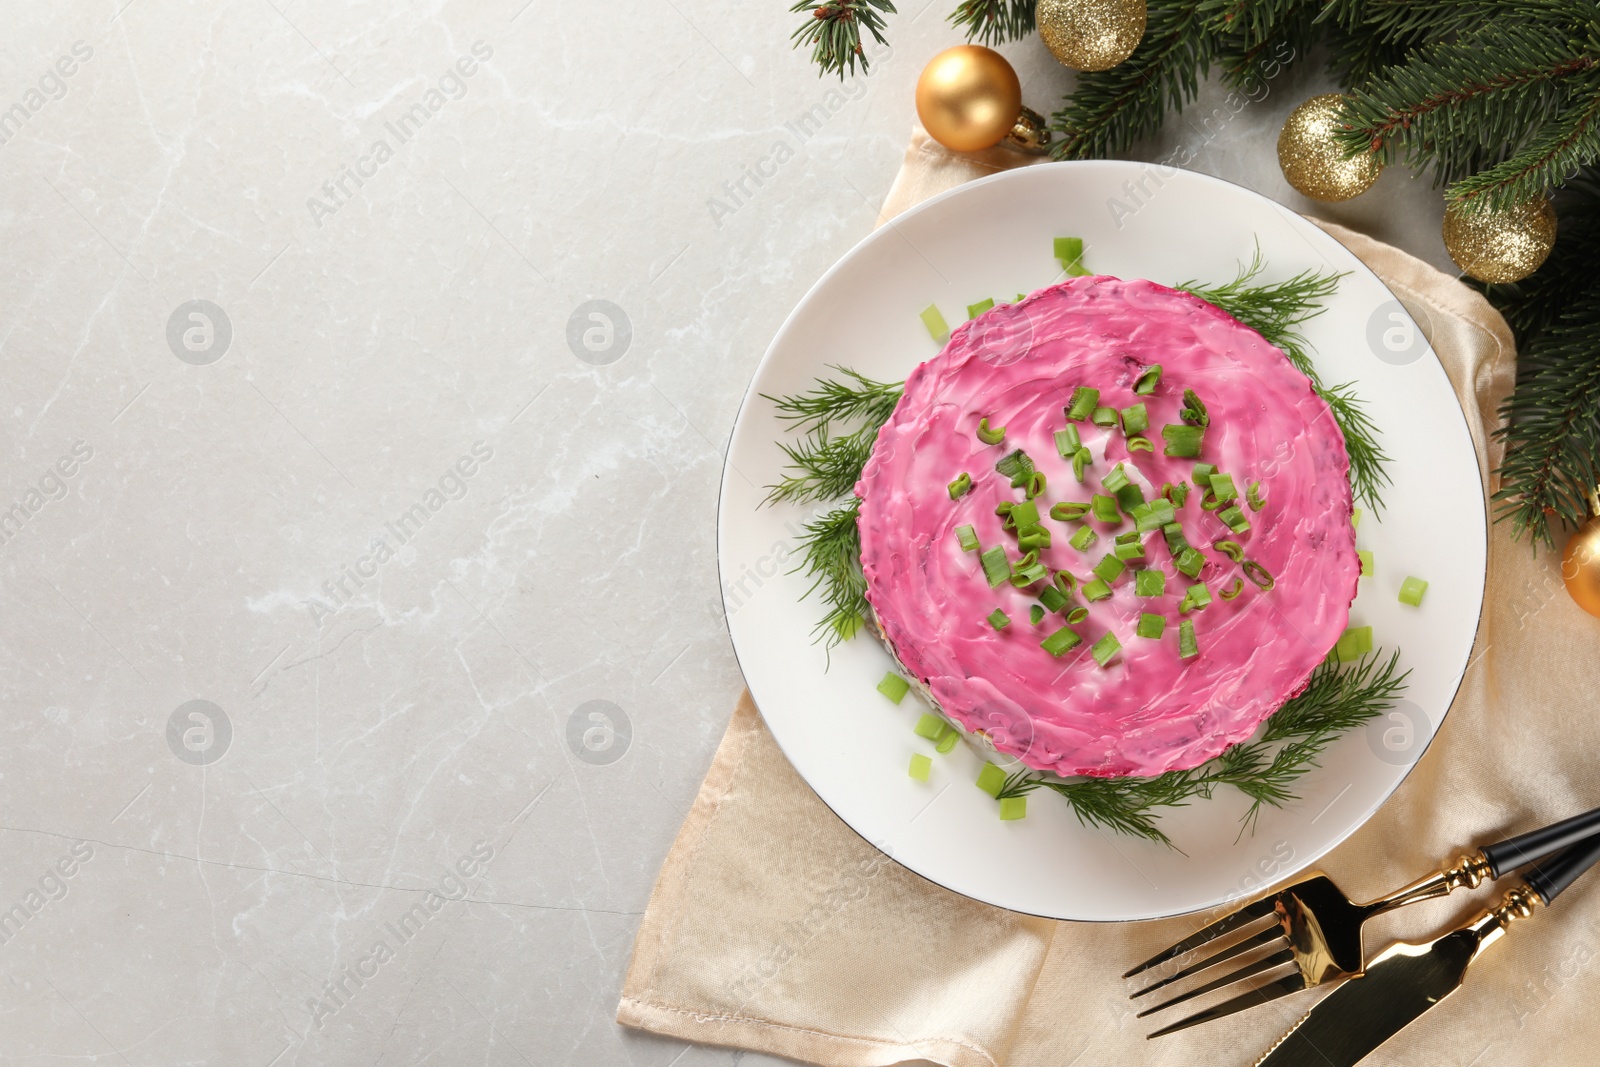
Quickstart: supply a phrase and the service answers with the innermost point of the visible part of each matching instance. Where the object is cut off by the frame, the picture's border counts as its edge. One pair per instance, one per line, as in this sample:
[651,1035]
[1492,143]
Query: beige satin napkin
[774,927]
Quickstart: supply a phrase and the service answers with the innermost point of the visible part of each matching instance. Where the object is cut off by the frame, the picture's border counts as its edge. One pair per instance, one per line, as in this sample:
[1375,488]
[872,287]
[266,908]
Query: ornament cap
[1030,134]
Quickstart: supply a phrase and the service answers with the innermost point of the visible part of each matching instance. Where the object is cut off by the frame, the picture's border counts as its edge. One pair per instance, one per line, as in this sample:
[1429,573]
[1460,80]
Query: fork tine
[1250,970]
[1293,983]
[1245,915]
[1268,936]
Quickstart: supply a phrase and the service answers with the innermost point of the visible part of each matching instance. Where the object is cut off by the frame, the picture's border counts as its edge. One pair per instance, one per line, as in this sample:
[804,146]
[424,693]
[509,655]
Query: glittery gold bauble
[1501,246]
[968,97]
[1313,162]
[1091,34]
[1580,564]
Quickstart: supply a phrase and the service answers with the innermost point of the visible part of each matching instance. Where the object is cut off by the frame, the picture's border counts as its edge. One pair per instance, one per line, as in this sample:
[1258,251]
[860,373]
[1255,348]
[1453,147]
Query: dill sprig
[826,465]
[1276,311]
[853,398]
[830,555]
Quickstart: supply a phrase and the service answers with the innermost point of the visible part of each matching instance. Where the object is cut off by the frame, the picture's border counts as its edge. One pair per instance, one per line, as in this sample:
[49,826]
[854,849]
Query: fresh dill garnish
[856,397]
[826,465]
[830,555]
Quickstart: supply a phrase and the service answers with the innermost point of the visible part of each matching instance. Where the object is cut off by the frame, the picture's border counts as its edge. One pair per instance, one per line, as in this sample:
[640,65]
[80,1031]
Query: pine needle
[994,21]
[833,31]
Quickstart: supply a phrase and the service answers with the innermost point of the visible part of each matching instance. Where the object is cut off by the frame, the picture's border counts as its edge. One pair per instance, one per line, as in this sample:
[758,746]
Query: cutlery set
[1310,934]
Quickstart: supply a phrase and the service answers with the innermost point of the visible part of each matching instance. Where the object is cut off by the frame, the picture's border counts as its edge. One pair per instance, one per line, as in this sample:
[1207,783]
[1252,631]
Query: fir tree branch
[833,31]
[995,21]
[1569,142]
[1533,304]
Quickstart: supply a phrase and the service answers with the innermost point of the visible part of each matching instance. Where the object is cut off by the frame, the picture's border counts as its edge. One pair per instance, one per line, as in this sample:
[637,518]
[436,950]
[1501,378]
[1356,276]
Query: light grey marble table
[329,509]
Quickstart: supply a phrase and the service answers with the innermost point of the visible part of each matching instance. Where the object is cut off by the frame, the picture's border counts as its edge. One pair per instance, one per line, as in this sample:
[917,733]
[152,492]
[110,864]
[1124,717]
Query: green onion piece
[1079,462]
[1411,591]
[1156,515]
[995,567]
[846,626]
[1128,538]
[1222,487]
[990,779]
[1211,503]
[1194,409]
[1252,497]
[1015,465]
[1203,473]
[1084,401]
[1084,539]
[1069,250]
[1353,644]
[921,767]
[974,310]
[1151,626]
[1033,538]
[1062,641]
[1103,416]
[1233,515]
[1035,614]
[1003,509]
[1196,599]
[1258,574]
[1109,568]
[1020,298]
[1176,493]
[1014,808]
[948,741]
[1097,589]
[1130,550]
[1190,562]
[1149,583]
[1138,443]
[1232,549]
[1105,508]
[1135,419]
[1355,518]
[1366,562]
[1176,542]
[1105,648]
[1026,572]
[1036,484]
[1065,582]
[1146,383]
[999,619]
[1188,647]
[1130,497]
[988,436]
[1233,590]
[959,487]
[1069,510]
[1068,442]
[930,726]
[1052,598]
[1182,441]
[894,687]
[1115,479]
[937,329]
[967,537]
[1077,615]
[1024,513]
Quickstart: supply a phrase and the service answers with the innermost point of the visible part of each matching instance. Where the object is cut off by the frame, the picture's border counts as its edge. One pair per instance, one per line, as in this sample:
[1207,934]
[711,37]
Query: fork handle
[1535,845]
[1552,876]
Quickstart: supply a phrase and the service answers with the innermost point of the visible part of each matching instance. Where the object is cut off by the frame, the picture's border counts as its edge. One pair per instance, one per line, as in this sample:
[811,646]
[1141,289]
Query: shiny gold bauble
[1313,162]
[1500,246]
[1091,34]
[968,97]
[1580,567]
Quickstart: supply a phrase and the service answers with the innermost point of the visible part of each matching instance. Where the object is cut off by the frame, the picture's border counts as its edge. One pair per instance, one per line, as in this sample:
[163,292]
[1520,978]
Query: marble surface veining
[366,370]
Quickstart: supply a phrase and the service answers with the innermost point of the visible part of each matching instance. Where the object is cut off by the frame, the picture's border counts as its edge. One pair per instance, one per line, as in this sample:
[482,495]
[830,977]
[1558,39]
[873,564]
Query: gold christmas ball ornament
[1500,246]
[969,98]
[1091,34]
[1580,564]
[1313,162]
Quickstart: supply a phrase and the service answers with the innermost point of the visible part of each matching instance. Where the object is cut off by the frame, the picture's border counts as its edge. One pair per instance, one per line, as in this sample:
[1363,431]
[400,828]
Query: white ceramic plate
[992,238]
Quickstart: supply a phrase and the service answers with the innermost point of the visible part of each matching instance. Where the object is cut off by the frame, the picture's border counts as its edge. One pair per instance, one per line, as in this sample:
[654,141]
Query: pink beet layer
[1148,711]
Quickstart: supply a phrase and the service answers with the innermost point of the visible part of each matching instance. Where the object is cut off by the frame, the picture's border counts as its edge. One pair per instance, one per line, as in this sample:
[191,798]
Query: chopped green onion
[990,779]
[1355,517]
[1115,479]
[959,487]
[921,767]
[1052,598]
[1084,539]
[1149,583]
[1233,590]
[937,329]
[1062,641]
[1105,508]
[1068,442]
[974,310]
[1084,401]
[1146,383]
[1135,419]
[1023,513]
[1026,574]
[995,566]
[1196,599]
[948,741]
[1109,568]
[1020,298]
[1182,441]
[1103,416]
[967,537]
[1129,497]
[1411,591]
[1105,648]
[1079,461]
[1175,493]
[1194,409]
[1035,614]
[1259,575]
[1015,465]
[999,619]
[894,687]
[1014,808]
[1069,250]
[1190,561]
[988,436]
[1069,510]
[1129,550]
[1151,626]
[1036,484]
[1098,589]
[1176,542]
[1233,515]
[1232,549]
[1138,443]
[1211,503]
[1077,615]
[1366,562]
[1188,647]
[930,726]
[1252,497]
[1203,473]
[1156,515]
[1033,538]
[1222,487]
[1353,644]
[1128,538]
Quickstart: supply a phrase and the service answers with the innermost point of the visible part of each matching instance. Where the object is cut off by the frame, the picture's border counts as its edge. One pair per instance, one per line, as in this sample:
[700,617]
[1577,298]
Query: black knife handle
[1537,844]
[1553,875]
